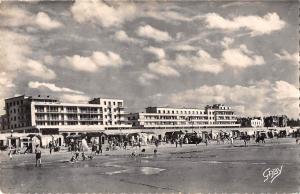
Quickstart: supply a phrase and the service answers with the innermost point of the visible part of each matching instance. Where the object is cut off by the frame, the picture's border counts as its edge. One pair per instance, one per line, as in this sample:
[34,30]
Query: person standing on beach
[50,146]
[38,156]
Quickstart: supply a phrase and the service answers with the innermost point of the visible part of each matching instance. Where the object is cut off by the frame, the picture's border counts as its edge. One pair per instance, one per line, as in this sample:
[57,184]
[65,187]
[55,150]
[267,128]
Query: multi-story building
[217,115]
[113,111]
[276,121]
[50,116]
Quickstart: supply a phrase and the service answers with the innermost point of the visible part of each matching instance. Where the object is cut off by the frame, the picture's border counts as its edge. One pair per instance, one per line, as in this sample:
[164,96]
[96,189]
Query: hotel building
[50,116]
[216,116]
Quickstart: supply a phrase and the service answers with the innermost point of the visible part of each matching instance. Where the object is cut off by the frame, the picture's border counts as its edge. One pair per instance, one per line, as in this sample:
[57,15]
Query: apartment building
[50,116]
[113,112]
[217,115]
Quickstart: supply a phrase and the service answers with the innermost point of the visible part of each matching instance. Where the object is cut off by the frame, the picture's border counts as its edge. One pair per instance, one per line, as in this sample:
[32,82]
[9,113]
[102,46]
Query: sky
[158,53]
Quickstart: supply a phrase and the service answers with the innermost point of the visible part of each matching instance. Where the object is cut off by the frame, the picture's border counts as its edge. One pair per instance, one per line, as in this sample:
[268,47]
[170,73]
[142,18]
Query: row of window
[24,124]
[69,123]
[73,109]
[22,117]
[179,112]
[18,110]
[114,103]
[173,123]
[14,103]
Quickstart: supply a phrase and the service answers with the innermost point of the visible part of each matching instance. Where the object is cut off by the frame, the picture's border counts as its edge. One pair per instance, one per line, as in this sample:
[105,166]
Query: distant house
[276,121]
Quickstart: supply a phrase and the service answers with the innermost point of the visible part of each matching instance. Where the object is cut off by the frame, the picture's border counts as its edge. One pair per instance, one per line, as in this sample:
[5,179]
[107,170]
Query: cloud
[93,63]
[158,52]
[168,15]
[202,62]
[153,33]
[257,25]
[285,56]
[183,47]
[14,58]
[227,42]
[74,98]
[263,98]
[52,87]
[241,57]
[5,81]
[146,78]
[101,13]
[109,59]
[45,22]
[37,69]
[16,17]
[163,68]
[123,37]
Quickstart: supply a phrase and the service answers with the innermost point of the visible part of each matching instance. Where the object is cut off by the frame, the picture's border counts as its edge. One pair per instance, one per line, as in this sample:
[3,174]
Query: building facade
[276,121]
[257,122]
[50,116]
[214,116]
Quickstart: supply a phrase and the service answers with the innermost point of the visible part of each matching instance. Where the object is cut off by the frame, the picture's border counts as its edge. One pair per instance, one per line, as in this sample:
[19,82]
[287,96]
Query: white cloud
[284,90]
[261,98]
[227,42]
[256,24]
[37,69]
[201,62]
[100,12]
[5,81]
[123,37]
[52,87]
[45,22]
[16,17]
[168,15]
[93,63]
[80,63]
[183,47]
[163,68]
[74,98]
[153,33]
[158,52]
[286,56]
[146,78]
[109,59]
[241,57]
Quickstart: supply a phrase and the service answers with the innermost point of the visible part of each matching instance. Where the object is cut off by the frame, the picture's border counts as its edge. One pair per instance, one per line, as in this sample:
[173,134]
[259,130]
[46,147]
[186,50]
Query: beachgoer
[50,146]
[38,156]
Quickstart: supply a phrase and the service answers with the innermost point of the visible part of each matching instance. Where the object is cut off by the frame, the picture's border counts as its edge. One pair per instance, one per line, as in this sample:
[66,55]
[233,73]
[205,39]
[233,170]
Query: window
[104,102]
[114,103]
[17,102]
[14,103]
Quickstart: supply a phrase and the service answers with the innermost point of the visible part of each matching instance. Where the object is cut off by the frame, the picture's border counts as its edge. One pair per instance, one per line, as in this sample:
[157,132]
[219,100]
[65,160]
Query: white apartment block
[49,116]
[113,112]
[217,115]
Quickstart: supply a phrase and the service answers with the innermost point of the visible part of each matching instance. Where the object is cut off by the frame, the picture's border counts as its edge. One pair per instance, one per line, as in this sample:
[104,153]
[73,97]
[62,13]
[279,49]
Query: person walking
[50,146]
[38,156]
